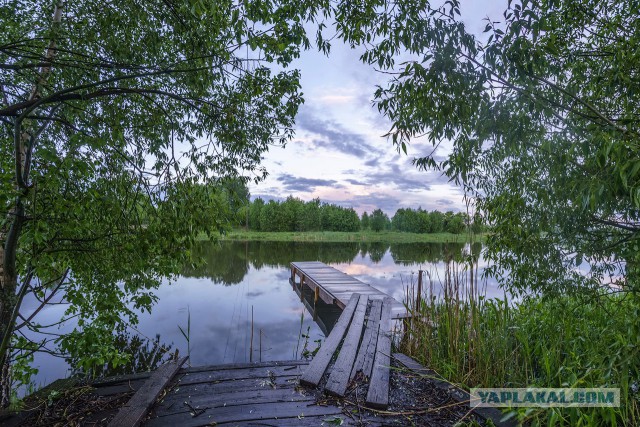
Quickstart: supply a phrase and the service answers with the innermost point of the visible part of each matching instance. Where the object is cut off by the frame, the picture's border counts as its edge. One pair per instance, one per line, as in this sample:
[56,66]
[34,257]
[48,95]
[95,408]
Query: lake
[241,284]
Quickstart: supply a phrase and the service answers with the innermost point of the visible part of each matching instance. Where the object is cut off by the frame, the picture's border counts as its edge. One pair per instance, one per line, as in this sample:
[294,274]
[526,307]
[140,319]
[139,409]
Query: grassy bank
[338,236]
[561,342]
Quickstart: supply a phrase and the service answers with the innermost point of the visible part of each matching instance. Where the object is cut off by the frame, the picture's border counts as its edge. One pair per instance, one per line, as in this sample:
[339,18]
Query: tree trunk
[8,297]
[7,305]
[9,237]
[5,288]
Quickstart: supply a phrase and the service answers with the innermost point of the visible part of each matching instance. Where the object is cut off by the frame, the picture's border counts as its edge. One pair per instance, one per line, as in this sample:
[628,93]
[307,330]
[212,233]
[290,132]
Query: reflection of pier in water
[325,291]
[325,315]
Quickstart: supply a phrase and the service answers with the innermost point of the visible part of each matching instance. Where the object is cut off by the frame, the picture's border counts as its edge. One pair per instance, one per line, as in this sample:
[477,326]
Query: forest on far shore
[294,214]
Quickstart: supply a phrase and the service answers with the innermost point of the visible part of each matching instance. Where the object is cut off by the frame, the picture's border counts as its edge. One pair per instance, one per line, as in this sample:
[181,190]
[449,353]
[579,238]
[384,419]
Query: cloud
[296,183]
[355,182]
[331,135]
[374,162]
[336,99]
[369,202]
[444,202]
[405,179]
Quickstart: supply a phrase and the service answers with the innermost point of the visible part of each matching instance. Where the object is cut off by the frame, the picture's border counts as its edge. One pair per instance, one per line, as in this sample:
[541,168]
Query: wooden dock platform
[272,393]
[364,329]
[335,287]
[356,355]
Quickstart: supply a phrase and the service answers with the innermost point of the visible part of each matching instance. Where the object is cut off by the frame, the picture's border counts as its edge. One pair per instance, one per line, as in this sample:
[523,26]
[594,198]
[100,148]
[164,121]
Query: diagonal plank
[316,368]
[378,394]
[337,383]
[367,351]
[132,414]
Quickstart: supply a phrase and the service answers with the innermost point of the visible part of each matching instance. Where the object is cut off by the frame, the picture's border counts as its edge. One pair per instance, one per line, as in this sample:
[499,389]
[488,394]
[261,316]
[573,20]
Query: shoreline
[342,236]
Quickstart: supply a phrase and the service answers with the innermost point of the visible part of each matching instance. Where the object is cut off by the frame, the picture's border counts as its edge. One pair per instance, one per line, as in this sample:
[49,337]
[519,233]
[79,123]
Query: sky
[339,153]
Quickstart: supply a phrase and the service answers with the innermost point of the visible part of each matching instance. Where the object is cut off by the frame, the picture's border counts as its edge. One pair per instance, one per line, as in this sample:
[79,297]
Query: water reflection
[242,289]
[146,354]
[228,263]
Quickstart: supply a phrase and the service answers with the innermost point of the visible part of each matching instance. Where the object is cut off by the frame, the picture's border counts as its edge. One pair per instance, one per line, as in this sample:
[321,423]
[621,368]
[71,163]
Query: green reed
[566,341]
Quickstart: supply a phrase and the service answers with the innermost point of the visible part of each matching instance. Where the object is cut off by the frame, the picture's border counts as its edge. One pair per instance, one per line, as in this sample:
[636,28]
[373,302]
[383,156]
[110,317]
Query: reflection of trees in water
[221,262]
[280,254]
[145,355]
[418,253]
[376,250]
[228,262]
[476,249]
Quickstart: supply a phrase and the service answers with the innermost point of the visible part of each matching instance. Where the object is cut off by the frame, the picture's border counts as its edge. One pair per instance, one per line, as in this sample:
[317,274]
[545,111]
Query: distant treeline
[294,214]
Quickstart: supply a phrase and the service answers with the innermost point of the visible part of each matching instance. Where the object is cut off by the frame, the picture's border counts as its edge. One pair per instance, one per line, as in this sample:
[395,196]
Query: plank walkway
[335,287]
[364,329]
[357,353]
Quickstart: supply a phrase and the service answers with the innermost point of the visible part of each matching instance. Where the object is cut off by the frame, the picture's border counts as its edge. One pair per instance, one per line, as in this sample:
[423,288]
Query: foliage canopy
[118,120]
[541,112]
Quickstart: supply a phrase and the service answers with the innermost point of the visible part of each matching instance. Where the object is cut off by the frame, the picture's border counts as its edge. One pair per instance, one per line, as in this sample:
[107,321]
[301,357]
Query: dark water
[239,281]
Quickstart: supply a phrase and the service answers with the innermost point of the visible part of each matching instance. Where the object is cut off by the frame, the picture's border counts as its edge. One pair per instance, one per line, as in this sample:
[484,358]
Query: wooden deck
[371,321]
[264,394]
[356,355]
[283,393]
[335,287]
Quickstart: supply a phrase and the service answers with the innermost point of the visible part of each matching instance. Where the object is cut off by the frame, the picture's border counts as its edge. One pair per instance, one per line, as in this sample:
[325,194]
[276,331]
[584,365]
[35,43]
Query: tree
[254,214]
[112,115]
[311,215]
[237,195]
[454,223]
[378,220]
[542,115]
[364,221]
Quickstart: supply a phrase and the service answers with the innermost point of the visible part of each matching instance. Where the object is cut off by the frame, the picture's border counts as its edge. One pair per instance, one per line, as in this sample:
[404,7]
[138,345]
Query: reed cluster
[568,341]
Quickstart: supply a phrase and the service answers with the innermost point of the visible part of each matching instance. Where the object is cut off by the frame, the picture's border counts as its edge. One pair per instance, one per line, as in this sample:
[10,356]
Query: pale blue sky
[339,153]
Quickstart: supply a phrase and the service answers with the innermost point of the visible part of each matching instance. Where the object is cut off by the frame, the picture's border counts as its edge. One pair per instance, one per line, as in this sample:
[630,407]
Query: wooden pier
[348,382]
[335,287]
[364,329]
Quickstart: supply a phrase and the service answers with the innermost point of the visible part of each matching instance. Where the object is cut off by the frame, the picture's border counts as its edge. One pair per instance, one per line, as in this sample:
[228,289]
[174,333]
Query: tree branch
[45,302]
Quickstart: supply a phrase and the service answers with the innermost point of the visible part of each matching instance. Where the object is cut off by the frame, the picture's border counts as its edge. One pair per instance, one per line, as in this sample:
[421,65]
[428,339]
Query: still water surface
[243,280]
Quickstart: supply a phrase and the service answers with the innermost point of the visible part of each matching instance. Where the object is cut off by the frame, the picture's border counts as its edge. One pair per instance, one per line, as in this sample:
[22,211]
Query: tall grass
[563,342]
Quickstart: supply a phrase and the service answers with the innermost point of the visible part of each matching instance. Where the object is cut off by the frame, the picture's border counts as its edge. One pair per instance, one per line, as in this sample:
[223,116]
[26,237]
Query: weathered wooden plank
[181,392]
[244,413]
[236,374]
[346,286]
[327,273]
[129,386]
[120,379]
[136,409]
[337,382]
[341,294]
[315,421]
[315,370]
[227,399]
[455,392]
[367,351]
[309,262]
[337,282]
[243,365]
[378,393]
